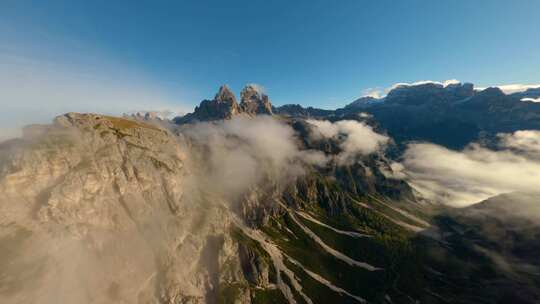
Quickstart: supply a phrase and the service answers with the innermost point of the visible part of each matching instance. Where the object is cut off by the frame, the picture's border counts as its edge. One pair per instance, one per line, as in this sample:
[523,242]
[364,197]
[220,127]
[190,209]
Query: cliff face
[254,101]
[93,211]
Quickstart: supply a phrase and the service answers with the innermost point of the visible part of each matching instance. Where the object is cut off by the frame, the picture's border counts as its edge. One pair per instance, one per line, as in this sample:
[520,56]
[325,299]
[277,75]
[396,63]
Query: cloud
[513,88]
[527,141]
[34,91]
[242,152]
[462,178]
[373,92]
[355,138]
[531,99]
[257,87]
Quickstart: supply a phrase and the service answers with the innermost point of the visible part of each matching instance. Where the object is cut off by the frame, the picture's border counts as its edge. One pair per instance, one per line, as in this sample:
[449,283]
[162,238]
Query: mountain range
[245,202]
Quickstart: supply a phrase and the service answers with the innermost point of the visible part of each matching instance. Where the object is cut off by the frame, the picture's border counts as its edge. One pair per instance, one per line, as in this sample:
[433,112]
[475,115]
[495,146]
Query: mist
[242,152]
[463,178]
[355,138]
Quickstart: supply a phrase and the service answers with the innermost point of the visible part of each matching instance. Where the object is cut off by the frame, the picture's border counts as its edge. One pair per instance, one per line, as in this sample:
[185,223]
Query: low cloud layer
[462,178]
[243,151]
[354,137]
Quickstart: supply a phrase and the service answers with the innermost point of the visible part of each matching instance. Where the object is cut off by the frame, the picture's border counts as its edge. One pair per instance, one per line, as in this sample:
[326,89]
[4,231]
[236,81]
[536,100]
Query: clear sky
[320,53]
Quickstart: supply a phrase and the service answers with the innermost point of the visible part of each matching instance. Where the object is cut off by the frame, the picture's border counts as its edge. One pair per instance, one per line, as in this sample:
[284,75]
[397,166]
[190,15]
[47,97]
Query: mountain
[225,106]
[258,206]
[100,190]
[450,115]
[296,110]
[254,101]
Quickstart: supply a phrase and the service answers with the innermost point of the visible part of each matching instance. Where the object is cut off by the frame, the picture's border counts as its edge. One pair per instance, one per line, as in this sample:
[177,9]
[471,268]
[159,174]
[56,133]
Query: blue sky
[320,53]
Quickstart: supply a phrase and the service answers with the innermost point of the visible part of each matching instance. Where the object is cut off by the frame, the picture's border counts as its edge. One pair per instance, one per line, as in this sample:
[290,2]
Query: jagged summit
[254,101]
[225,95]
[225,106]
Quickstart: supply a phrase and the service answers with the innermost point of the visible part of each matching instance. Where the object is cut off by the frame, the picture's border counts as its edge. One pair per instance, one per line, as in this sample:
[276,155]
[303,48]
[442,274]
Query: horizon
[123,57]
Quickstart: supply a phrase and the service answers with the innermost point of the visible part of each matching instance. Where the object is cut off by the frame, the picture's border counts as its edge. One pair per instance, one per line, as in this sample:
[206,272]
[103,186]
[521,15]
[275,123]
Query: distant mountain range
[451,115]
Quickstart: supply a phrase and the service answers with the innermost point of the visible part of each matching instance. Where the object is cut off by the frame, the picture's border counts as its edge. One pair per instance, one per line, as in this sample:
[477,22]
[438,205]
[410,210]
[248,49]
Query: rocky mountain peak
[223,106]
[225,95]
[254,101]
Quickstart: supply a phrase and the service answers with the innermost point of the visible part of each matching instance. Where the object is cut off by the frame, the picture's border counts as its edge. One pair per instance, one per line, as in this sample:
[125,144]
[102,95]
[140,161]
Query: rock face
[452,115]
[254,101]
[224,106]
[93,211]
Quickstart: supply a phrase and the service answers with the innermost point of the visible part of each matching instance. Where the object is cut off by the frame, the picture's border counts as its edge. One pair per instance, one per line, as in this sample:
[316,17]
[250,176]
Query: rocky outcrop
[93,209]
[254,101]
[224,106]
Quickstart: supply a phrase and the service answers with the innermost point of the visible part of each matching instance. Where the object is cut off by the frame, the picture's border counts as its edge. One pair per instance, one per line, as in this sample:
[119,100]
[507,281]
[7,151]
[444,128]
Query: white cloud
[355,138]
[373,92]
[527,141]
[244,151]
[257,87]
[466,177]
[531,99]
[33,91]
